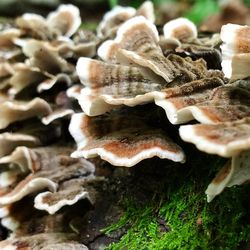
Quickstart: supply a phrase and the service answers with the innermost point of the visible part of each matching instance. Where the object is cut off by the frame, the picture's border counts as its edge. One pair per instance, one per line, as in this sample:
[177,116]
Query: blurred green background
[196,10]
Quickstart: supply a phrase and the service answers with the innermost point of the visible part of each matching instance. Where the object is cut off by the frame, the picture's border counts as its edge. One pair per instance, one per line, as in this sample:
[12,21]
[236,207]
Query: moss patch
[177,215]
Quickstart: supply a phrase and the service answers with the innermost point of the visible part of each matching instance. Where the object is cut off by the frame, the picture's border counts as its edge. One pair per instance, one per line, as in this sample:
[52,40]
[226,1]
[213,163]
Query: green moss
[201,9]
[179,217]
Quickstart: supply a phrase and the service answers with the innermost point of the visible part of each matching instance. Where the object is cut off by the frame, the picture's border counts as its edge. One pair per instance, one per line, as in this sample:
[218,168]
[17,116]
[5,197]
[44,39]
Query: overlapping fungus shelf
[110,90]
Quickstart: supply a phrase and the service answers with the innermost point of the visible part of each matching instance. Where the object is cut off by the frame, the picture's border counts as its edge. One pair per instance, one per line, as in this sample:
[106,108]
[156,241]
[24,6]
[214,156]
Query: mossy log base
[161,205]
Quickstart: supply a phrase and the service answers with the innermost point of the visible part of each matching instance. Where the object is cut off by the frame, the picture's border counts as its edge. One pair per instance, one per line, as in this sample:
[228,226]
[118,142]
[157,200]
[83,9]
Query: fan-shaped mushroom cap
[62,22]
[72,50]
[114,18]
[66,48]
[38,161]
[182,103]
[35,25]
[21,217]
[25,187]
[21,157]
[57,114]
[146,10]
[235,172]
[121,139]
[110,84]
[70,198]
[12,111]
[8,49]
[42,57]
[66,19]
[6,69]
[74,91]
[49,83]
[137,42]
[7,37]
[208,102]
[118,15]
[137,34]
[235,51]
[24,76]
[69,193]
[181,29]
[9,141]
[46,241]
[96,74]
[225,139]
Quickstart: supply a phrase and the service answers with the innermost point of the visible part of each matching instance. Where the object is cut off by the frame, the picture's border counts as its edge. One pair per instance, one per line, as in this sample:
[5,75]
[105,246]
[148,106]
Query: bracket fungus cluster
[37,66]
[126,79]
[132,70]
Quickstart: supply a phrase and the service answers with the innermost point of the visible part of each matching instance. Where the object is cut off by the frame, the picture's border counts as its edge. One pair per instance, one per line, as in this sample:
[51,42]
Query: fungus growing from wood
[120,93]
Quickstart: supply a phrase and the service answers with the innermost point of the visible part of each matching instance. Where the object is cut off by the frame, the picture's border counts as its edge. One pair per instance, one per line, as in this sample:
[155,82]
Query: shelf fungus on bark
[235,172]
[37,67]
[30,133]
[210,102]
[118,15]
[48,231]
[63,22]
[227,139]
[56,115]
[54,230]
[68,194]
[78,45]
[8,49]
[179,102]
[137,42]
[119,125]
[45,241]
[63,108]
[123,137]
[41,56]
[9,141]
[137,34]
[66,19]
[235,51]
[67,180]
[181,29]
[43,68]
[227,134]
[181,37]
[25,76]
[112,19]
[12,111]
[110,85]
